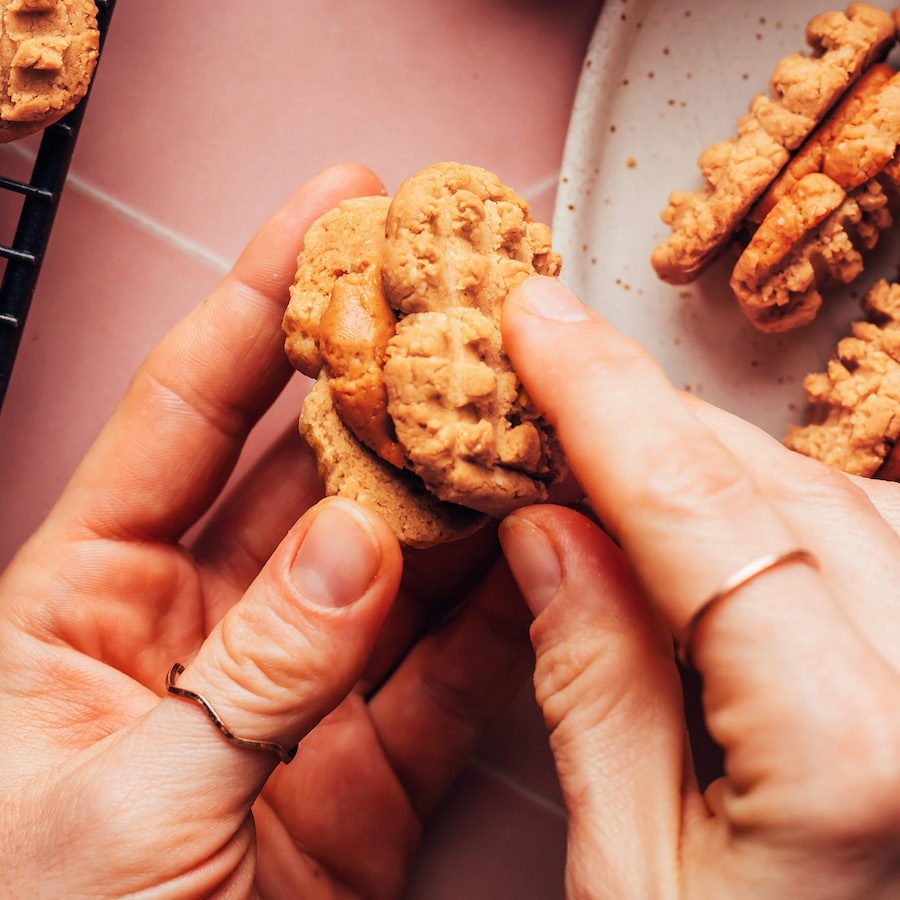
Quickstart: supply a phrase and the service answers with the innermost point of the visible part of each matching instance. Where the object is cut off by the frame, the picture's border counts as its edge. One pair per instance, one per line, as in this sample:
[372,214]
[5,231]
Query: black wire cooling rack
[24,255]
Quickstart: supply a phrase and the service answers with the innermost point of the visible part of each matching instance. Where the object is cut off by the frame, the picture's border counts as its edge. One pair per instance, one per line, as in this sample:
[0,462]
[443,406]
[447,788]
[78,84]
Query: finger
[250,522]
[688,515]
[247,526]
[175,436]
[281,659]
[607,684]
[432,711]
[820,503]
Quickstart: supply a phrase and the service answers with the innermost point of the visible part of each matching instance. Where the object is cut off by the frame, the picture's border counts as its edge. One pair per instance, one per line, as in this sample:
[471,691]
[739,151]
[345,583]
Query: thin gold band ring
[733,583]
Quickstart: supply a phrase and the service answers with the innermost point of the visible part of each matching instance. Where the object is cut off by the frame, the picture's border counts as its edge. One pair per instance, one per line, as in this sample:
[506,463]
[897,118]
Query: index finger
[684,508]
[176,435]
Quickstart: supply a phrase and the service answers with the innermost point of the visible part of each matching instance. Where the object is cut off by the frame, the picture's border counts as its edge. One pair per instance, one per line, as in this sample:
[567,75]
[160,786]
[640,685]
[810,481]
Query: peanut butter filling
[354,331]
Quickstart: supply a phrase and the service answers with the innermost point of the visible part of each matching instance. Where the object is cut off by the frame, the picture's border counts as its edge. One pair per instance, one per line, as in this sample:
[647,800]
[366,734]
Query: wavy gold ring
[285,755]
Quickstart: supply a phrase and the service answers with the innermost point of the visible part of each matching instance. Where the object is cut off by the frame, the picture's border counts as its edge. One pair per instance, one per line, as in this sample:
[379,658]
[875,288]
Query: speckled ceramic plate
[661,81]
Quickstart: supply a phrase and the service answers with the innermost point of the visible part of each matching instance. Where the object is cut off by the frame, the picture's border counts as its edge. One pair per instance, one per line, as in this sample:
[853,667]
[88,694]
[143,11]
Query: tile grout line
[518,787]
[184,244]
[142,221]
[538,188]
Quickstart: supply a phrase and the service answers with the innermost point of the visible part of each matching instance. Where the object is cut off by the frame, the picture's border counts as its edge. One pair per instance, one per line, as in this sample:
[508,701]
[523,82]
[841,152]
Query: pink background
[197,130]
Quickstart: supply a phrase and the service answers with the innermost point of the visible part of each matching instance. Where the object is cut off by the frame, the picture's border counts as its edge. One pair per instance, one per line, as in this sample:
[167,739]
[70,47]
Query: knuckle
[264,671]
[629,363]
[581,685]
[685,477]
[817,481]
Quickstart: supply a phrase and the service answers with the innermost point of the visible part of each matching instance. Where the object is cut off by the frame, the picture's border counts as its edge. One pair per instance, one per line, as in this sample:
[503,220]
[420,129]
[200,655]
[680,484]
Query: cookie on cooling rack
[48,52]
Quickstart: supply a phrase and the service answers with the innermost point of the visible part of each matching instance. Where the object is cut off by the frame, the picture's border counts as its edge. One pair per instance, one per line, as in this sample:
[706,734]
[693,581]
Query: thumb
[281,659]
[609,691]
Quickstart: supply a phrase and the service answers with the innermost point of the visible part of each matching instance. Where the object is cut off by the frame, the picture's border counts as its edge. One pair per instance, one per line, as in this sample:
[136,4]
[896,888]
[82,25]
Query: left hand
[109,787]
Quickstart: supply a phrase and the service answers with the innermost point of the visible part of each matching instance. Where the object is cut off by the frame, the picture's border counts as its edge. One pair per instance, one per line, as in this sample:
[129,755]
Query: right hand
[801,668]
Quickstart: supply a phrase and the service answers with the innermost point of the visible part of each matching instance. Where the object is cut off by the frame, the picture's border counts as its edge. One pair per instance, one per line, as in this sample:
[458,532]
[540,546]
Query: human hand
[799,666]
[109,787]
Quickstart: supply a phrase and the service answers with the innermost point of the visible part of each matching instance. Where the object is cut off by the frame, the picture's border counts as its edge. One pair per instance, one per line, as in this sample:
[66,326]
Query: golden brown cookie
[864,145]
[416,410]
[457,241]
[355,331]
[352,470]
[737,171]
[810,157]
[48,51]
[854,419]
[457,231]
[812,238]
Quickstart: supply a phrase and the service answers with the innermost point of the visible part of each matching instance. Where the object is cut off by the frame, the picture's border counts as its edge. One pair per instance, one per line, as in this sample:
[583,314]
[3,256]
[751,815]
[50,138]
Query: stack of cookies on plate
[808,186]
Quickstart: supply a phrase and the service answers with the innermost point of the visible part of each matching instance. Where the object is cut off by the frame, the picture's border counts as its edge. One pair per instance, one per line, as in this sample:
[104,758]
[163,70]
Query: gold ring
[285,755]
[733,583]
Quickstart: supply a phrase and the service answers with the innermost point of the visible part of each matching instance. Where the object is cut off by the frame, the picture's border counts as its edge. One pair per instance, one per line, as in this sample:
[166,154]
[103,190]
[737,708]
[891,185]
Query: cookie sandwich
[809,182]
[416,410]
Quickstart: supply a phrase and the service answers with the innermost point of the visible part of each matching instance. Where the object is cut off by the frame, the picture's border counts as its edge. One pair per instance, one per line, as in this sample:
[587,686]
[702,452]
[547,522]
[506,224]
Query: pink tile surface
[516,744]
[489,842]
[107,293]
[198,128]
[209,123]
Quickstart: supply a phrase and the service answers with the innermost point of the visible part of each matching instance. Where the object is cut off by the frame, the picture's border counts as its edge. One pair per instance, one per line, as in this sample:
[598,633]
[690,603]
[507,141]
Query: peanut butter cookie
[48,51]
[343,241]
[457,241]
[854,421]
[810,157]
[350,469]
[339,323]
[395,310]
[866,143]
[813,238]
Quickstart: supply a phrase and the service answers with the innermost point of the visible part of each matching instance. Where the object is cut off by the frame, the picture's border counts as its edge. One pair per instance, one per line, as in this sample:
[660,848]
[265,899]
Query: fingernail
[339,557]
[550,299]
[533,560]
